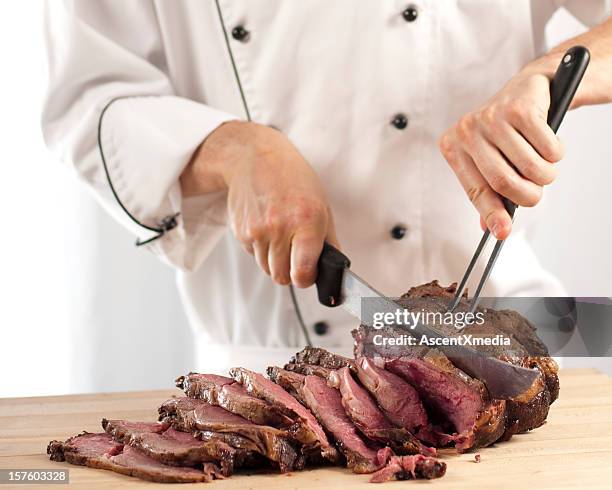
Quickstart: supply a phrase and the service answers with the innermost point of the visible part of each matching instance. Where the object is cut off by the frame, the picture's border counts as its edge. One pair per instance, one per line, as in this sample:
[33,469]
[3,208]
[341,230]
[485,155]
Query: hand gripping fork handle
[562,89]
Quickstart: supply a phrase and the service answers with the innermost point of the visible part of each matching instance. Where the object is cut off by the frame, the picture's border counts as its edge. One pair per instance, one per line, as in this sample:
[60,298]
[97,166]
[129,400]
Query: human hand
[505,149]
[276,203]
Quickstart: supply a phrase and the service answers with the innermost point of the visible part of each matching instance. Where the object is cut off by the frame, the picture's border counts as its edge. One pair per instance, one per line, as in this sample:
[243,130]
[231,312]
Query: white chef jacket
[331,75]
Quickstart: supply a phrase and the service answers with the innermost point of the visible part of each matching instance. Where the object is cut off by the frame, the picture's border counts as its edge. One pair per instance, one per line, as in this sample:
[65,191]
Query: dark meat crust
[308,369]
[320,357]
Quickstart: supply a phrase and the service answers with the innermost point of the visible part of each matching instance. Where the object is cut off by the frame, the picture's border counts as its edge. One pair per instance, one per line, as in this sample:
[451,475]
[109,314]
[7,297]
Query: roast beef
[102,451]
[530,409]
[309,432]
[168,446]
[232,396]
[455,397]
[373,412]
[213,423]
[454,401]
[370,420]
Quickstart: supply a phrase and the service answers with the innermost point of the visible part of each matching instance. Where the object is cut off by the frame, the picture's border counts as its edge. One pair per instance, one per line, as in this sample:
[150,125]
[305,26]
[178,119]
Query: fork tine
[479,249]
[486,274]
[511,209]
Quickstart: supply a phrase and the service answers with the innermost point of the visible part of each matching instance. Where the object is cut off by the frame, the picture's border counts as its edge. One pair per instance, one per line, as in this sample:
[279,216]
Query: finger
[485,200]
[306,247]
[521,154]
[261,255]
[533,127]
[500,175]
[279,260]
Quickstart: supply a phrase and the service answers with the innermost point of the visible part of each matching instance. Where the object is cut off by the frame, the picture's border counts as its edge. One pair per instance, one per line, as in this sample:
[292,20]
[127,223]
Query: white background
[81,309]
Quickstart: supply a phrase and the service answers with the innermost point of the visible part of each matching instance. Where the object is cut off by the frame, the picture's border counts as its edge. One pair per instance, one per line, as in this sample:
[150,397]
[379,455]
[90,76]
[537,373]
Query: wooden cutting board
[574,449]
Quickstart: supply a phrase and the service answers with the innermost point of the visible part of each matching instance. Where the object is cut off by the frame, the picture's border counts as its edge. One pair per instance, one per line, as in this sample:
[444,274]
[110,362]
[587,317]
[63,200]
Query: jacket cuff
[145,142]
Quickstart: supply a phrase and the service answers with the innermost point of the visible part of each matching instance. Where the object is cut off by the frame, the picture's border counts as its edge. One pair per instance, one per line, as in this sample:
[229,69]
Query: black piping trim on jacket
[167,223]
[245,105]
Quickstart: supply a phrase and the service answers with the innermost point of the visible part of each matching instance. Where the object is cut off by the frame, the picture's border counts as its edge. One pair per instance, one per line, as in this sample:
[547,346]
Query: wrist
[216,160]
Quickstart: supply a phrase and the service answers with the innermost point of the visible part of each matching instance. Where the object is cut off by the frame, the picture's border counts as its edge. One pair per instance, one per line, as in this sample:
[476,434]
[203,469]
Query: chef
[234,136]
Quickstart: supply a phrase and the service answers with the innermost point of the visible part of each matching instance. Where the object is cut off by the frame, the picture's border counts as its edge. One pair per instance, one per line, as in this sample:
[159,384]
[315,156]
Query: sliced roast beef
[317,356]
[399,401]
[210,422]
[232,396]
[169,446]
[369,419]
[524,341]
[459,399]
[530,409]
[326,403]
[309,432]
[103,452]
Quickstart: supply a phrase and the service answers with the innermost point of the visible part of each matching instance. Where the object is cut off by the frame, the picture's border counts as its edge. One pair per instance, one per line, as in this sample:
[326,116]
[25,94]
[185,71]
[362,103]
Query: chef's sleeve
[589,12]
[110,112]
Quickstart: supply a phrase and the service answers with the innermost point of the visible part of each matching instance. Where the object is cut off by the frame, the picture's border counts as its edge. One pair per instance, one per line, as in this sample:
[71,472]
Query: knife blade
[338,285]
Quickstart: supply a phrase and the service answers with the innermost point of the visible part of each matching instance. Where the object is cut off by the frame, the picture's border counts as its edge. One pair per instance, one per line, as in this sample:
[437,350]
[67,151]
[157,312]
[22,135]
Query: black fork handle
[562,90]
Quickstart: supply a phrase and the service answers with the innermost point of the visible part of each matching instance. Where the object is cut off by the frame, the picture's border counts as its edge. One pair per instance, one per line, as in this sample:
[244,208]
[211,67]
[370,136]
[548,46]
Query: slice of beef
[369,419]
[101,451]
[406,467]
[210,422]
[168,446]
[309,369]
[232,396]
[309,432]
[400,402]
[321,357]
[326,403]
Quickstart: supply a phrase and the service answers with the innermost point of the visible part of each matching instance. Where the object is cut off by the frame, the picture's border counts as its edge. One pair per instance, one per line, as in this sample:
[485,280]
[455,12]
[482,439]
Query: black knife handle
[331,266]
[562,90]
